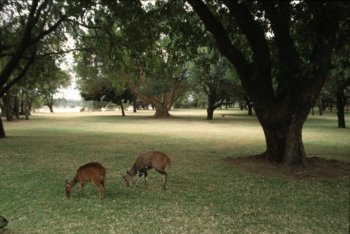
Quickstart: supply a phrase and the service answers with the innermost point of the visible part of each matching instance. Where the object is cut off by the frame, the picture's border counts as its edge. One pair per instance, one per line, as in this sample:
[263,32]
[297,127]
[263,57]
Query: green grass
[205,195]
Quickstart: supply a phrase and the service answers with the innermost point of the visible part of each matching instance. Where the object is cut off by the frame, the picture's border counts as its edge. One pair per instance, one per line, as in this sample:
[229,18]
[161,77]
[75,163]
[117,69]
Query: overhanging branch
[17,78]
[223,41]
[254,33]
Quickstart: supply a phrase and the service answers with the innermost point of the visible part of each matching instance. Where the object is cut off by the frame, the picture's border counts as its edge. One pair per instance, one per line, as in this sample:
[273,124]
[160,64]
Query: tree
[103,90]
[213,73]
[341,71]
[141,50]
[291,44]
[27,30]
[159,83]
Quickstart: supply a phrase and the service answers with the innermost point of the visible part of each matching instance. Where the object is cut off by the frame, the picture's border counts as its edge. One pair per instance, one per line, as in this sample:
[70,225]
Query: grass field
[205,195]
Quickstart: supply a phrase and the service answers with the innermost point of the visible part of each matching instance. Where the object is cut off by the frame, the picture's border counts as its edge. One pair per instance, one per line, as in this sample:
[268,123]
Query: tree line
[277,55]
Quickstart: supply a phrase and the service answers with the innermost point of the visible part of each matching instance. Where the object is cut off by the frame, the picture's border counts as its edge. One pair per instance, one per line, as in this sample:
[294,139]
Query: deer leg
[100,186]
[81,188]
[165,180]
[102,182]
[138,178]
[102,190]
[146,174]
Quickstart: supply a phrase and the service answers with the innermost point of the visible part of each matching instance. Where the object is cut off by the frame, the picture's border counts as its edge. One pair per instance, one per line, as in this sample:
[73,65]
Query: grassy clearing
[206,195]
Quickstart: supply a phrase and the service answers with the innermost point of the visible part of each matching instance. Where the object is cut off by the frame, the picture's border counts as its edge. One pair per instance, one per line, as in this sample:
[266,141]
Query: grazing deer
[145,162]
[93,172]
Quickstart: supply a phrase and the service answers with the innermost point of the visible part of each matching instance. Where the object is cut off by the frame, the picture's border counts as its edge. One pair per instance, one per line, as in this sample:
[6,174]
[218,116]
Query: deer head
[127,179]
[68,188]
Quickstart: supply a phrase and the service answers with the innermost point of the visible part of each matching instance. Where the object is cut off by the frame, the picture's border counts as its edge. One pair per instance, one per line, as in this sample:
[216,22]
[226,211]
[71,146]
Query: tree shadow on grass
[317,168]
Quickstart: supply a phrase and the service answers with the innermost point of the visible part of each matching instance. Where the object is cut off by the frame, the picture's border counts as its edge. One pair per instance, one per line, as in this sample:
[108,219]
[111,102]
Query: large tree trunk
[161,112]
[284,142]
[210,112]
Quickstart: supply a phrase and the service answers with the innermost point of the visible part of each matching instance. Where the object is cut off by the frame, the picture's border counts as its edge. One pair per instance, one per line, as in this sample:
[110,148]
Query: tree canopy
[282,52]
[28,30]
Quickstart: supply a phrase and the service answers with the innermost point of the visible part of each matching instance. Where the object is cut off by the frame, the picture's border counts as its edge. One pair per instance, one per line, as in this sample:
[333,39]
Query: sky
[71,92]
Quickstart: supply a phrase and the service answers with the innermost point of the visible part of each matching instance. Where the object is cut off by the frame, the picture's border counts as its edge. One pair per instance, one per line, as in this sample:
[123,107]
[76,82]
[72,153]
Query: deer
[145,162]
[91,172]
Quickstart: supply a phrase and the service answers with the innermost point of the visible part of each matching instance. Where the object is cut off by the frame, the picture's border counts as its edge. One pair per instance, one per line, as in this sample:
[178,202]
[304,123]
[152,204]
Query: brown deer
[145,162]
[93,172]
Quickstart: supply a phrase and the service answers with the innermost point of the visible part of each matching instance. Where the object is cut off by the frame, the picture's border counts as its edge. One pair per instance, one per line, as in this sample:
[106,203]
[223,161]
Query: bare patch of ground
[316,168]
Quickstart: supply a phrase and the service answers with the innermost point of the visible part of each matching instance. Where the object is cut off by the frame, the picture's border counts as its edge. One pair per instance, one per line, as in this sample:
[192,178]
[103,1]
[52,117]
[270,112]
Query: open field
[206,194]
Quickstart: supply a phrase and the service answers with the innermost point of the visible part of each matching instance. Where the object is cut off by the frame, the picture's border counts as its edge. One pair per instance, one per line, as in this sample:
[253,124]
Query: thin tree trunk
[341,112]
[341,102]
[16,106]
[122,108]
[211,103]
[2,130]
[50,105]
[320,107]
[250,109]
[134,107]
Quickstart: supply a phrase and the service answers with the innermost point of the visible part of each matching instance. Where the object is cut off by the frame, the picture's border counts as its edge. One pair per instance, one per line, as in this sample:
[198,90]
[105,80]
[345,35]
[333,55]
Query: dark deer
[93,172]
[145,162]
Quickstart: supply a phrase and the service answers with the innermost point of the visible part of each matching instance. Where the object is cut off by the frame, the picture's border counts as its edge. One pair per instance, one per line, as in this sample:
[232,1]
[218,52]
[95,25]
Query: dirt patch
[316,168]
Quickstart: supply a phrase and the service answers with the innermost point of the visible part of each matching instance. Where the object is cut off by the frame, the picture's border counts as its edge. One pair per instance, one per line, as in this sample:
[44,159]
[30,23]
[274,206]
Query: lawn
[206,194]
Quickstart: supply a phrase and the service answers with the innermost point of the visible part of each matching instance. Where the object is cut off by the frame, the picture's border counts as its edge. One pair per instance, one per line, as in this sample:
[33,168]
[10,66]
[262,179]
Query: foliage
[44,79]
[28,30]
[143,50]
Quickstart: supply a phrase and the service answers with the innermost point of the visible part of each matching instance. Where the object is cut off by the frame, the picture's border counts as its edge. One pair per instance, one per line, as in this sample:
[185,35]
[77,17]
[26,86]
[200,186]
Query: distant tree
[341,72]
[45,78]
[336,91]
[141,50]
[103,90]
[215,76]
[159,83]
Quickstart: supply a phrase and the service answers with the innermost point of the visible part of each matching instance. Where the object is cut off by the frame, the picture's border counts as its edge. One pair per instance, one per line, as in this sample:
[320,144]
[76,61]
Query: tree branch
[327,22]
[254,34]
[288,58]
[223,41]
[16,79]
[48,31]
